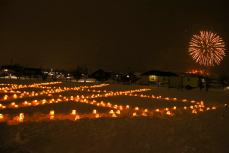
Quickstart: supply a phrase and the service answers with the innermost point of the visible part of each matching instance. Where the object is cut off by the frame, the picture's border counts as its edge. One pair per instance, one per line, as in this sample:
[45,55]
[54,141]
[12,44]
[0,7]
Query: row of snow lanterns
[15,96]
[19,118]
[196,103]
[95,114]
[198,107]
[112,113]
[52,91]
[108,104]
[35,102]
[20,86]
[52,114]
[103,104]
[36,85]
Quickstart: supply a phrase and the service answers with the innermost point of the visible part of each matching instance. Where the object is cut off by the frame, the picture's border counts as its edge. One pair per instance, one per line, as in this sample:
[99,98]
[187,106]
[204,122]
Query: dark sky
[110,34]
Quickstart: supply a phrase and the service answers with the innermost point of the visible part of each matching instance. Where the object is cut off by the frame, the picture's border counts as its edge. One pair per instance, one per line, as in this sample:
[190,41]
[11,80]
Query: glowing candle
[14,96]
[97,116]
[201,110]
[144,114]
[73,112]
[194,111]
[21,117]
[118,112]
[1,116]
[202,103]
[136,108]
[77,117]
[5,97]
[51,114]
[94,111]
[134,114]
[111,112]
[168,113]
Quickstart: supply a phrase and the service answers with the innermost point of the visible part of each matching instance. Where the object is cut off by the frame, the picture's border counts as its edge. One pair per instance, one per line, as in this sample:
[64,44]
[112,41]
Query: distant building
[157,78]
[185,81]
[171,80]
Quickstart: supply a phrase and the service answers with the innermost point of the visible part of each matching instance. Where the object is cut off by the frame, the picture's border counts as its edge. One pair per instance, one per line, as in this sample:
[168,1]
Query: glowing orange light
[94,111]
[134,114]
[168,113]
[1,116]
[111,112]
[5,97]
[73,112]
[118,112]
[14,96]
[77,117]
[51,114]
[136,108]
[97,116]
[21,117]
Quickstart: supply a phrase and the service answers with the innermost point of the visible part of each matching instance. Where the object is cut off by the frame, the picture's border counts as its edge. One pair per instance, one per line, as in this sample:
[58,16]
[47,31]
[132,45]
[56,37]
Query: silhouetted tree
[101,75]
[80,71]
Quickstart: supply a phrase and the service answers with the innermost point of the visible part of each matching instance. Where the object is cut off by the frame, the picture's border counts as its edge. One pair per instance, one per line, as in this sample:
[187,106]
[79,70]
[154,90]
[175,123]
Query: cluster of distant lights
[198,72]
[113,110]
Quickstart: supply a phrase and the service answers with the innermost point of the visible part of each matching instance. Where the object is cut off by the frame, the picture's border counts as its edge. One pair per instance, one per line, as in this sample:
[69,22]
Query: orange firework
[207,48]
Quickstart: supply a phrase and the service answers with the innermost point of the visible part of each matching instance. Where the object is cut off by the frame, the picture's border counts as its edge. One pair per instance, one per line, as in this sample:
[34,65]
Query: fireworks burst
[207,48]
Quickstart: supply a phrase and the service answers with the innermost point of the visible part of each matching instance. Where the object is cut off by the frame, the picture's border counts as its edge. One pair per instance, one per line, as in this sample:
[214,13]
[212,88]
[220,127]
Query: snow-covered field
[66,117]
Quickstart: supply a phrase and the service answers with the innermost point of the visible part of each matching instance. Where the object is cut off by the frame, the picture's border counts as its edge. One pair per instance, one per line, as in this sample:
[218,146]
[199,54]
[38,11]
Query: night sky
[115,35]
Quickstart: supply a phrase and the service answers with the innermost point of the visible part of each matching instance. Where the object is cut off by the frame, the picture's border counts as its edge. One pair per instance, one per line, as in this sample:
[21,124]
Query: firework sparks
[207,48]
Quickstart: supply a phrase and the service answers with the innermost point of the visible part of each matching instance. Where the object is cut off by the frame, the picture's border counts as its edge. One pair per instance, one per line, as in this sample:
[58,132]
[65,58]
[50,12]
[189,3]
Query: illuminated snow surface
[139,119]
